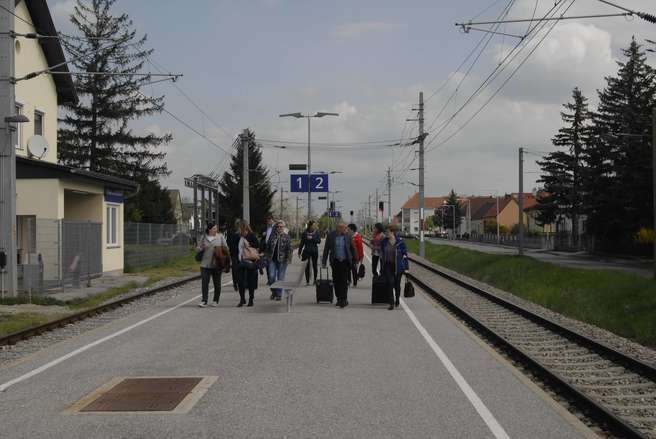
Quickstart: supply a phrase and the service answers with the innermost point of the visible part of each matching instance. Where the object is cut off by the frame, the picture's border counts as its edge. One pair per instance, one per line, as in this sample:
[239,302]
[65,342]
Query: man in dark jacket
[233,245]
[339,249]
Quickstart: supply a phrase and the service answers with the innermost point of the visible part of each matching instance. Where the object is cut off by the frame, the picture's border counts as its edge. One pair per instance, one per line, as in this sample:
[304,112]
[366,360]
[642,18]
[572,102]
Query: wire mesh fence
[148,245]
[56,254]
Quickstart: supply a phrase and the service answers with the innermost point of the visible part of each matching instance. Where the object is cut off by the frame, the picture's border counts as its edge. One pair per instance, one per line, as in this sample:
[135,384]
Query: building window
[38,123]
[19,127]
[112,225]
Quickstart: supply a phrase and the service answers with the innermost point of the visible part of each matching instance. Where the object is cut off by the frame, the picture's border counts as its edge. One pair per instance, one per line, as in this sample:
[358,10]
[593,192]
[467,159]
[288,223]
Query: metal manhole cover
[145,394]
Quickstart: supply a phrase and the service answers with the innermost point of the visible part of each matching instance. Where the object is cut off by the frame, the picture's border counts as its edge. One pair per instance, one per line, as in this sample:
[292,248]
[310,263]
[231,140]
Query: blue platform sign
[334,214]
[299,183]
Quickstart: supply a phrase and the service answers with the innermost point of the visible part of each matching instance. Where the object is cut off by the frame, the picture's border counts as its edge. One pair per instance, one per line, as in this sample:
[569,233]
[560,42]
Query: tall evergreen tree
[96,133]
[151,204]
[562,169]
[618,180]
[231,198]
[449,211]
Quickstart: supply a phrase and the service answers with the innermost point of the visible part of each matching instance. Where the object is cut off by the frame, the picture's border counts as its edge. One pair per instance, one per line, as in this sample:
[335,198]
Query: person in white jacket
[208,268]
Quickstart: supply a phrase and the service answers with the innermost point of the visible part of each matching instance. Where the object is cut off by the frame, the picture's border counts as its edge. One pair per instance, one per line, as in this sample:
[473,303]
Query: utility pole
[377,205]
[369,204]
[389,195]
[196,235]
[282,191]
[298,226]
[422,204]
[7,150]
[521,202]
[653,170]
[245,177]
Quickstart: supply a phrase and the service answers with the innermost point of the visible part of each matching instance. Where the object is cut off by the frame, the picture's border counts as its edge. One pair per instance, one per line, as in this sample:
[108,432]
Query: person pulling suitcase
[339,250]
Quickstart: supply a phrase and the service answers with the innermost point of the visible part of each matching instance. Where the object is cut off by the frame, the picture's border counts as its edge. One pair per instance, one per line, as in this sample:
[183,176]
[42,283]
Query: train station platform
[319,371]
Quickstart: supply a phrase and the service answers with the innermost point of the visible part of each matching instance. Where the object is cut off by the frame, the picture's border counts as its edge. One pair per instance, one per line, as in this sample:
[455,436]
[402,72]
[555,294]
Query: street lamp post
[309,161]
[454,216]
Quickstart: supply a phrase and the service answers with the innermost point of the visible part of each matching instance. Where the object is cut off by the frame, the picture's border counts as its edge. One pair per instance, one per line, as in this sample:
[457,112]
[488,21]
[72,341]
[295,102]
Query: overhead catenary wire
[464,61]
[489,38]
[507,60]
[503,84]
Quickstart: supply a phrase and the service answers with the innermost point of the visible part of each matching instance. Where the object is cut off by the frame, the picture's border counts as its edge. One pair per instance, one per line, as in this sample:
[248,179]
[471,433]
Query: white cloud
[359,28]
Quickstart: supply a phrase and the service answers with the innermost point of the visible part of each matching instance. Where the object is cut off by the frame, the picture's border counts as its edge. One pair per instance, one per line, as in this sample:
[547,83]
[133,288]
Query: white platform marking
[53,363]
[485,414]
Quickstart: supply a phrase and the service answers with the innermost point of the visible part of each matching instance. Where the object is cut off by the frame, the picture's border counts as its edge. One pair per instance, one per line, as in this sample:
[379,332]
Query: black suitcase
[379,291]
[324,288]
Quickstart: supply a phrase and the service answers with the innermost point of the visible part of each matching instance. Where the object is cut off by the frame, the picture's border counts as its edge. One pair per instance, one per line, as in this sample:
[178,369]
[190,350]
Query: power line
[503,84]
[191,101]
[504,13]
[508,59]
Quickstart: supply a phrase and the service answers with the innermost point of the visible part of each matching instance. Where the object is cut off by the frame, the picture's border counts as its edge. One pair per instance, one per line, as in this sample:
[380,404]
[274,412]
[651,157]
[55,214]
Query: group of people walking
[246,257]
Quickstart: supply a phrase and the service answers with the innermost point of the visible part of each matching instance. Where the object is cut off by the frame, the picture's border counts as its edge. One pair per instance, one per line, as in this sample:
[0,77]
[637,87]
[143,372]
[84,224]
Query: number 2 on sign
[319,183]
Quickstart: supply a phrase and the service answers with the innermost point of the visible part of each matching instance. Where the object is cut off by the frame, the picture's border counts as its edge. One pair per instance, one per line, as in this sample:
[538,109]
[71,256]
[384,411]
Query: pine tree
[231,187]
[95,133]
[449,211]
[618,179]
[561,170]
[151,204]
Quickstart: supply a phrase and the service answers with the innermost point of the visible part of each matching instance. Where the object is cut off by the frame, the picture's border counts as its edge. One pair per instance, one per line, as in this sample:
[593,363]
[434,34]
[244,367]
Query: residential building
[485,212]
[69,221]
[410,212]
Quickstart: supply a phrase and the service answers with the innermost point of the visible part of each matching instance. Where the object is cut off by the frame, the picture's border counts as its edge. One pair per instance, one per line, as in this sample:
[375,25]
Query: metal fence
[541,242]
[56,254]
[148,245]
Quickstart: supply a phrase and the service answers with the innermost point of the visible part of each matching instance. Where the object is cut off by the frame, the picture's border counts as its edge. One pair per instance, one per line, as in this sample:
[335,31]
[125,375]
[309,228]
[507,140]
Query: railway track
[15,337]
[613,389]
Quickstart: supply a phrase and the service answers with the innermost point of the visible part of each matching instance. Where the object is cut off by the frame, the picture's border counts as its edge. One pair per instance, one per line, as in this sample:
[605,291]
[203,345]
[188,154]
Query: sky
[247,61]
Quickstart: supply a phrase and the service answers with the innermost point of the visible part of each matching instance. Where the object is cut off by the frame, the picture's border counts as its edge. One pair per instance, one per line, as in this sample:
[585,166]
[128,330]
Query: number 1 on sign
[299,180]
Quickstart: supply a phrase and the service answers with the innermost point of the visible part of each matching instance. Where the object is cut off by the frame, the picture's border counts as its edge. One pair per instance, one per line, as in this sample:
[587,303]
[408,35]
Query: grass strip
[622,303]
[10,323]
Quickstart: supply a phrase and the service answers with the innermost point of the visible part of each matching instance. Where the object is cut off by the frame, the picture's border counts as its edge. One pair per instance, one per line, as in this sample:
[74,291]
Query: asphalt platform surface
[317,372]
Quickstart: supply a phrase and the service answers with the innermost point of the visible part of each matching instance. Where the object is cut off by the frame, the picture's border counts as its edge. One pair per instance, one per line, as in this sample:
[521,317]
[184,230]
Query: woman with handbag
[308,249]
[249,256]
[212,246]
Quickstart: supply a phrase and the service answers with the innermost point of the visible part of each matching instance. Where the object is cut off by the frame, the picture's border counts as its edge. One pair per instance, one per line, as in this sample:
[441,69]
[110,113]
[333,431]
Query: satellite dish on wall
[37,147]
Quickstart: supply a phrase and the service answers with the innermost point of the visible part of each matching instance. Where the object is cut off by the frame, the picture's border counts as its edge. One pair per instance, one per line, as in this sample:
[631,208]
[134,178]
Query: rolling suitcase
[379,292]
[324,287]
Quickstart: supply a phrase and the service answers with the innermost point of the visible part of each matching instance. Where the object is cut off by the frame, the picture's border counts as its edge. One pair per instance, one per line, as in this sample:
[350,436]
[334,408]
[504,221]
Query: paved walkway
[320,371]
[573,260]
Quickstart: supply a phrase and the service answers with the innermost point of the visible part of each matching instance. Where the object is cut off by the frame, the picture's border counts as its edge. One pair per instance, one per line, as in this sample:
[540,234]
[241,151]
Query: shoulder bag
[409,290]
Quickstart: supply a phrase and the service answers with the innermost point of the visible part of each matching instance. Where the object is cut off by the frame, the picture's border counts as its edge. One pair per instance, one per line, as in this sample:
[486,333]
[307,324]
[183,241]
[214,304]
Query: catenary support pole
[196,228]
[377,204]
[203,207]
[653,164]
[245,142]
[7,150]
[422,218]
[521,202]
[389,195]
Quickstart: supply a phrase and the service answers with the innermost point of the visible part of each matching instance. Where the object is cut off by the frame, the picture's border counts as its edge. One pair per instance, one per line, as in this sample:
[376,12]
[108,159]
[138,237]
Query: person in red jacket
[359,252]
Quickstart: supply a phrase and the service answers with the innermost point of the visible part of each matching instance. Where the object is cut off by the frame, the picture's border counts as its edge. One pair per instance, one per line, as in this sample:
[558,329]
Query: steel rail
[15,337]
[591,407]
